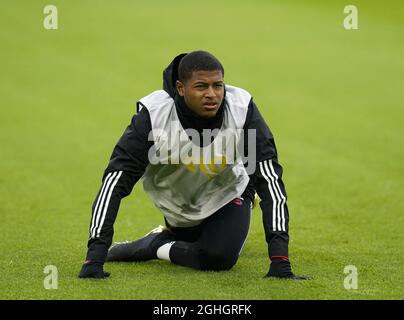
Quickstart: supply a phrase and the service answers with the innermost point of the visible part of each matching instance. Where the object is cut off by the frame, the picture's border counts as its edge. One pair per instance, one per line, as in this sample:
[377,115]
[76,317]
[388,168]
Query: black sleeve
[267,181]
[126,166]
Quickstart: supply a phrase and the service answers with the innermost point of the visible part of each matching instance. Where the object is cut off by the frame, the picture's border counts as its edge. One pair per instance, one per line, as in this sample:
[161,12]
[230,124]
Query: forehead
[206,76]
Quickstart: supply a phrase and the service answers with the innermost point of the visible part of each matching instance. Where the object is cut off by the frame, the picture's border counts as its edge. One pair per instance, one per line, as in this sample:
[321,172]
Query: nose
[210,92]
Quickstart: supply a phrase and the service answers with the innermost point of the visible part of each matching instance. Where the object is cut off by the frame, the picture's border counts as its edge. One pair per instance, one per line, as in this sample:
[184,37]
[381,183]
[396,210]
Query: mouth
[210,105]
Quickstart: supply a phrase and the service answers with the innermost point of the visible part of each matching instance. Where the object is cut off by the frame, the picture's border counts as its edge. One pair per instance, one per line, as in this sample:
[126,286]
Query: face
[203,92]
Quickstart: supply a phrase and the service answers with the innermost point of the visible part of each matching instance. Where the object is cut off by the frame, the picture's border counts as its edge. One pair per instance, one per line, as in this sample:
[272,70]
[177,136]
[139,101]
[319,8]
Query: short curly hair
[198,61]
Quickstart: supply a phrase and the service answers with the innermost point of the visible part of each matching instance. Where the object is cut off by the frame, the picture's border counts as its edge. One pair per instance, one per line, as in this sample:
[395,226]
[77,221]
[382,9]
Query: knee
[216,261]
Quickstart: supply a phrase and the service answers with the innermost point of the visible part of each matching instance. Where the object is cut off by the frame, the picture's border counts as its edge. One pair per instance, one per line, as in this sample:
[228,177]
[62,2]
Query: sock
[164,251]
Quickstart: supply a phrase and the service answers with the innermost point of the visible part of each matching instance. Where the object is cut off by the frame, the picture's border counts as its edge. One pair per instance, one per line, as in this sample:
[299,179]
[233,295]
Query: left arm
[267,181]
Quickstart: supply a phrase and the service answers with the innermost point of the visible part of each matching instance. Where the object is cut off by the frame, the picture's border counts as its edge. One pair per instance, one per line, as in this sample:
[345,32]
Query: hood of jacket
[170,75]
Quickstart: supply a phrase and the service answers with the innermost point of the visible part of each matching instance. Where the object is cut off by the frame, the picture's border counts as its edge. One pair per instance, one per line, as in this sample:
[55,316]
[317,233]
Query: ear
[180,88]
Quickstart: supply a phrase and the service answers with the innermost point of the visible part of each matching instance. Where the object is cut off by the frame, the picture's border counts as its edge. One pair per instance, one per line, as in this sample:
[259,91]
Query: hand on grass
[93,270]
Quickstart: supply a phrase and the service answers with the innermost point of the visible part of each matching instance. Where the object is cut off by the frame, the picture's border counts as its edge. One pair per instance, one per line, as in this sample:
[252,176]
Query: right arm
[126,166]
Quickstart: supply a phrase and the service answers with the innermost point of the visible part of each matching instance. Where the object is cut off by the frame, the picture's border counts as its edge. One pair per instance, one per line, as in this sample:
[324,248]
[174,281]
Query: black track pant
[216,243]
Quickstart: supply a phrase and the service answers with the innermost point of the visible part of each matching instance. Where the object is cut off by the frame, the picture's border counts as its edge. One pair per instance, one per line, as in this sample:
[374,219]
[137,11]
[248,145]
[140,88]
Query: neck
[190,119]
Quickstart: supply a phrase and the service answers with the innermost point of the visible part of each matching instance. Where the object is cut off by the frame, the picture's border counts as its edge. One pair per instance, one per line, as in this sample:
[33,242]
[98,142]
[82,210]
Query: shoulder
[155,100]
[237,102]
[238,95]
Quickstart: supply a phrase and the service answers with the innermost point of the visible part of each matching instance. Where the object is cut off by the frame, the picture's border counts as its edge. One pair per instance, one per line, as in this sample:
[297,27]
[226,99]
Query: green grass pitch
[334,99]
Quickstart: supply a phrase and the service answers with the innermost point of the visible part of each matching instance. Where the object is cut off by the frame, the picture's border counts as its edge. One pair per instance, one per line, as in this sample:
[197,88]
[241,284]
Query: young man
[206,204]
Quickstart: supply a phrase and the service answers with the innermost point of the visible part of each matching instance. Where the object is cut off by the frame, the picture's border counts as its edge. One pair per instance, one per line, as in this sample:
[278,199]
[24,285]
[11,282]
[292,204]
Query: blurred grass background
[333,98]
